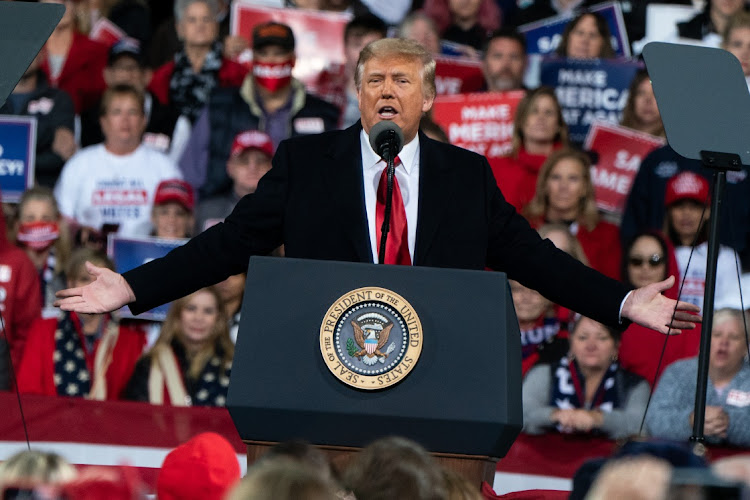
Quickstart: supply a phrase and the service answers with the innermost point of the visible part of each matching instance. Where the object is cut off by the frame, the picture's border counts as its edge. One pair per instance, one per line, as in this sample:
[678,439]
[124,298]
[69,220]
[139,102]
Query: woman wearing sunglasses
[686,224]
[649,258]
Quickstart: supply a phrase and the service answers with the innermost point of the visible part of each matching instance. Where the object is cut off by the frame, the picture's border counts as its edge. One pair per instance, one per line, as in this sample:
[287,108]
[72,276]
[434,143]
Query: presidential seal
[371,338]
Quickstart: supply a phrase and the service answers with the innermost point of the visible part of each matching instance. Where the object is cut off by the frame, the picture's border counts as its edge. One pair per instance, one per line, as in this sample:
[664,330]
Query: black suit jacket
[312,201]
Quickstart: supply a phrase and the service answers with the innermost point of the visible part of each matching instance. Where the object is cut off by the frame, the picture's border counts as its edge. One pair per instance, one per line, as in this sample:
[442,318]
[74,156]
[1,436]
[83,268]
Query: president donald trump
[324,199]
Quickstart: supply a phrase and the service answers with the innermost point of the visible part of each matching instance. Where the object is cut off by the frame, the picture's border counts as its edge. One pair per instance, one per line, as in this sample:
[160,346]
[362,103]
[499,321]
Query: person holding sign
[641,112]
[586,37]
[536,10]
[320,201]
[538,130]
[565,193]
[186,82]
[55,121]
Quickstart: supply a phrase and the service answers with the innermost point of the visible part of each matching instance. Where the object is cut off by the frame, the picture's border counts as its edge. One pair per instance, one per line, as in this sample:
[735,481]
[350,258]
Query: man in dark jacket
[54,113]
[270,100]
[126,66]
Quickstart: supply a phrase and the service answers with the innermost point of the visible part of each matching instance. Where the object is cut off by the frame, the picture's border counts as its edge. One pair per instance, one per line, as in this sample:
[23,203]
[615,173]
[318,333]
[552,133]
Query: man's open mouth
[387,112]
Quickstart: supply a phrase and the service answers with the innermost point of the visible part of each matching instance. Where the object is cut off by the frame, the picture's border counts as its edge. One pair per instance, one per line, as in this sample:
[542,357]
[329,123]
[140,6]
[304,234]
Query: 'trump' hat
[251,139]
[175,190]
[686,186]
[272,33]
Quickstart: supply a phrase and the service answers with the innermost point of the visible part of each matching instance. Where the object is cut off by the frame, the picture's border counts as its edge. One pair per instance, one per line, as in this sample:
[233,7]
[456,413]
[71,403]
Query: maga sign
[620,152]
[480,122]
[589,90]
[17,155]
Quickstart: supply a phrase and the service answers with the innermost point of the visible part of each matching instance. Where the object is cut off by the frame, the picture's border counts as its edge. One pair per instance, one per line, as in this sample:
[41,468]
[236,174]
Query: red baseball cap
[252,139]
[203,468]
[175,190]
[686,186]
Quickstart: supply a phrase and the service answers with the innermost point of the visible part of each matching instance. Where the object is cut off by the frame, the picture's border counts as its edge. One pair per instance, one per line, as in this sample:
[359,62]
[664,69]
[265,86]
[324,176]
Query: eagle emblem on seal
[371,332]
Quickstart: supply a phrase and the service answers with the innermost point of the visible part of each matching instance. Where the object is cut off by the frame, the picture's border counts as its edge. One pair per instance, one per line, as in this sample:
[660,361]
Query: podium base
[473,467]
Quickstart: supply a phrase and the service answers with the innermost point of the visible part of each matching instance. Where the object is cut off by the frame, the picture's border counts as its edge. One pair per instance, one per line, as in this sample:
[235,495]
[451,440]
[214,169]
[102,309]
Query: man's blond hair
[399,47]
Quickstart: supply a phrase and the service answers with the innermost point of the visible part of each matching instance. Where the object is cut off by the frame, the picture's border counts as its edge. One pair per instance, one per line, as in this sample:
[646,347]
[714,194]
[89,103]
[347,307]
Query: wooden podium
[461,399]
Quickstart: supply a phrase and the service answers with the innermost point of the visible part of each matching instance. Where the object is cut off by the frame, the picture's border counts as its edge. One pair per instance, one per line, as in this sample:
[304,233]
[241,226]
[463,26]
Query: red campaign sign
[481,122]
[318,36]
[620,151]
[458,75]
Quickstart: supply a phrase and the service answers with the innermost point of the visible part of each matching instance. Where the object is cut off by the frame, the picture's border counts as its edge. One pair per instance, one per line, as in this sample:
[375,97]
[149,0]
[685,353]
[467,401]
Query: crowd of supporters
[161,133]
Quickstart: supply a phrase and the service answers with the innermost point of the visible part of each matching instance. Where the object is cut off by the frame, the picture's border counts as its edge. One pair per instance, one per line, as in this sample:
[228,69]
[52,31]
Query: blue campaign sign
[589,90]
[129,253]
[543,37]
[17,155]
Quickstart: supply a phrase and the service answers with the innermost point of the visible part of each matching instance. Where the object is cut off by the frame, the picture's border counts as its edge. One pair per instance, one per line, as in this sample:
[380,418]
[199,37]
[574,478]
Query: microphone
[386,139]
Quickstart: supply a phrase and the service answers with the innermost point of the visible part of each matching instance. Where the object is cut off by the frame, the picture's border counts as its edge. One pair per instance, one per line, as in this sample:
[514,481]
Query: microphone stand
[720,163]
[390,172]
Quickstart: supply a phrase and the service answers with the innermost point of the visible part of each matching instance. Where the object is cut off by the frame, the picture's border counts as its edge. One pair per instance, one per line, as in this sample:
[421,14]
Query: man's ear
[427,103]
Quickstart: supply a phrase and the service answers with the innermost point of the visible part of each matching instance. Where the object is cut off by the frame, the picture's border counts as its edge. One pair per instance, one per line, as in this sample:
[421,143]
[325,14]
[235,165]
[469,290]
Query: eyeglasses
[653,261]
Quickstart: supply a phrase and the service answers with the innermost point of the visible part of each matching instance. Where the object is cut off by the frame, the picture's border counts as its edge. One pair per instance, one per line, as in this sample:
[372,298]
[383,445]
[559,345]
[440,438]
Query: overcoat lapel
[435,193]
[343,176]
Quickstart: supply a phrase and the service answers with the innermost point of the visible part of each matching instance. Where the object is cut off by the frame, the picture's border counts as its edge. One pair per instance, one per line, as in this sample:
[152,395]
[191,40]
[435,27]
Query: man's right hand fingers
[69,292]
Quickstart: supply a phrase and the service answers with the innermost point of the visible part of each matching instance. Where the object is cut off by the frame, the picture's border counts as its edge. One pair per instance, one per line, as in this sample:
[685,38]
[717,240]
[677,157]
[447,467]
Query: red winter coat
[641,347]
[602,247]
[82,74]
[37,368]
[231,74]
[516,176]
[20,295]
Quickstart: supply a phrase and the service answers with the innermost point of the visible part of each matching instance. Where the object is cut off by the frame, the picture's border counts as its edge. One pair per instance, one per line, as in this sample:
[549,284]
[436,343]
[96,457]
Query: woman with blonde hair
[565,194]
[191,360]
[538,130]
[30,469]
[42,233]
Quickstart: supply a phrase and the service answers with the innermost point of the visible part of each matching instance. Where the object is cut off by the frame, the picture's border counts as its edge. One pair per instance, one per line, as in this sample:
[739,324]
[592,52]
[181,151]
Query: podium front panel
[463,395]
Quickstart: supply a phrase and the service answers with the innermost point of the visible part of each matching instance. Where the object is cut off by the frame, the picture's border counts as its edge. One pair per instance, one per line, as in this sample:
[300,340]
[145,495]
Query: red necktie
[397,244]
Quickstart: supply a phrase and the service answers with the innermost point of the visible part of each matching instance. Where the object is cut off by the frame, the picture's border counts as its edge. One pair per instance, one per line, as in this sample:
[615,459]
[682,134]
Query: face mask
[38,235]
[273,76]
